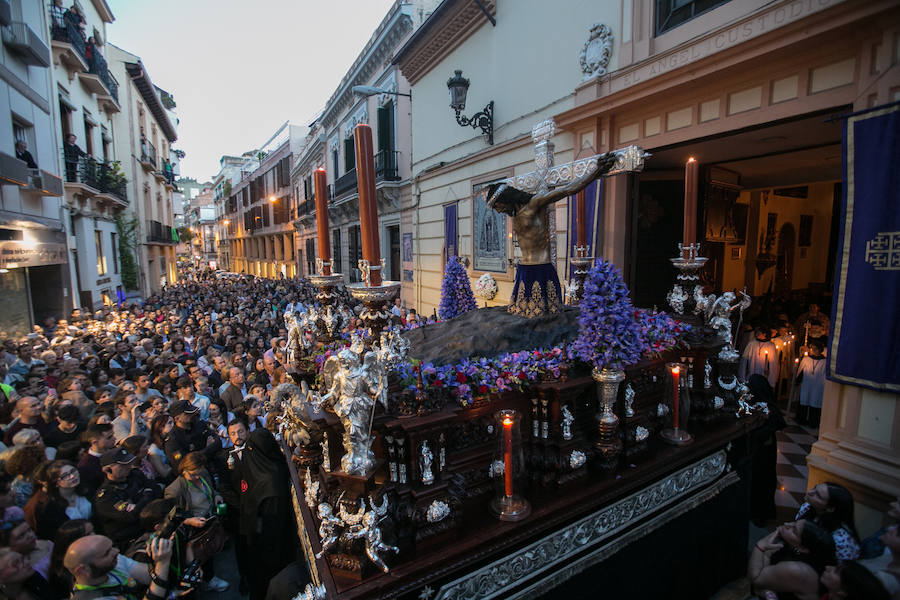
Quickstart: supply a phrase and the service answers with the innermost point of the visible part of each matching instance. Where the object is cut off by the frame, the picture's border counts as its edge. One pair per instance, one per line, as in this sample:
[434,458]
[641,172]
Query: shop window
[672,13]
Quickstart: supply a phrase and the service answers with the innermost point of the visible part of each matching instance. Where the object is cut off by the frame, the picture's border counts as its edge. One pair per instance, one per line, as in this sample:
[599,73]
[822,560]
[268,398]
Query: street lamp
[272,198]
[484,119]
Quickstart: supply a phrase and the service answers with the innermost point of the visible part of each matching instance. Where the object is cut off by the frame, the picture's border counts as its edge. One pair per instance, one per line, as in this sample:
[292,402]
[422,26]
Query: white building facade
[33,240]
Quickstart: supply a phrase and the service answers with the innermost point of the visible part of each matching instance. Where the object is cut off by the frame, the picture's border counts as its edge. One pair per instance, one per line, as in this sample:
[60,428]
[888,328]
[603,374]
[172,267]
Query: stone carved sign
[491,580]
[597,51]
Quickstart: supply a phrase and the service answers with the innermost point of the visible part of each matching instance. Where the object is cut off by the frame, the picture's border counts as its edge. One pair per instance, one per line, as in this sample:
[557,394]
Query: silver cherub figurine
[329,528]
[369,531]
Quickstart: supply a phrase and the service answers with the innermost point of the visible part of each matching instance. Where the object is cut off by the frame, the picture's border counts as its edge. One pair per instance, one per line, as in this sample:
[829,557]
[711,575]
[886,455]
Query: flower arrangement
[486,287]
[456,291]
[609,336]
[472,377]
[659,332]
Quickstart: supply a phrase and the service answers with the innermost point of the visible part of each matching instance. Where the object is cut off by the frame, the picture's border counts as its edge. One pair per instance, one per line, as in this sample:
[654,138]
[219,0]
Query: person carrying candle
[760,357]
[811,379]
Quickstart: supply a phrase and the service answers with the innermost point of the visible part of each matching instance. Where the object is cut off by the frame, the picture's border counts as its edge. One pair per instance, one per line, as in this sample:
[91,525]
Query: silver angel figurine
[329,528]
[295,338]
[707,375]
[567,420]
[371,533]
[629,400]
[352,392]
[427,458]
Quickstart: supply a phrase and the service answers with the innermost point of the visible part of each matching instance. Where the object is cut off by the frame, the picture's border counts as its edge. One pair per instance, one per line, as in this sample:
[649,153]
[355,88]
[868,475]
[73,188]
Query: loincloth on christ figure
[536,291]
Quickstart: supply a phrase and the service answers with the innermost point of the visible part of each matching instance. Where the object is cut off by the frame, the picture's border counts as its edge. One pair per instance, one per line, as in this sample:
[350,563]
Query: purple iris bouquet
[609,336]
[456,291]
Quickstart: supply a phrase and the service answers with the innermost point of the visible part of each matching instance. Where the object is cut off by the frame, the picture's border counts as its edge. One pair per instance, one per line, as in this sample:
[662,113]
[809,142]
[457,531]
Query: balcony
[100,81]
[157,233]
[42,183]
[148,156]
[345,183]
[386,165]
[27,44]
[13,170]
[91,178]
[68,46]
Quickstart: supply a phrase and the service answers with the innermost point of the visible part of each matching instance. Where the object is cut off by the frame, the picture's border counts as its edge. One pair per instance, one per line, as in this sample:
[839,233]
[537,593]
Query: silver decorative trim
[641,433]
[493,579]
[437,511]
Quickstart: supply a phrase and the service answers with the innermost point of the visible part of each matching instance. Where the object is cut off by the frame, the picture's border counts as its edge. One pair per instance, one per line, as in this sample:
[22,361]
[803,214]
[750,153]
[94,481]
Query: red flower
[482,389]
[460,377]
[438,383]
[522,375]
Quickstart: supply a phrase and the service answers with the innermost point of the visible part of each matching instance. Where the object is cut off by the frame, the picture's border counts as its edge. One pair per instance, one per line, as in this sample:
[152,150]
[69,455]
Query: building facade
[144,134]
[521,85]
[259,231]
[231,169]
[386,107]
[751,91]
[85,100]
[33,240]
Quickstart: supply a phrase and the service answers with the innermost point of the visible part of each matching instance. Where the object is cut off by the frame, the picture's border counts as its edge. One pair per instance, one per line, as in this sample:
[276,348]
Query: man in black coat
[119,500]
[24,155]
[190,435]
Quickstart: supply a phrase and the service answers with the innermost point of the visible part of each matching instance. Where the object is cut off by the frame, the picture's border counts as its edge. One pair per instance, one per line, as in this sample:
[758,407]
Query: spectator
[60,579]
[22,465]
[24,155]
[119,500]
[57,500]
[852,581]
[831,506]
[100,439]
[791,560]
[16,535]
[72,153]
[95,563]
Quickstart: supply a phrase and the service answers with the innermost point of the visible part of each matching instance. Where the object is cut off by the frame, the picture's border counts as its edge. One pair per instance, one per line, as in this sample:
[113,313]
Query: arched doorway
[784,265]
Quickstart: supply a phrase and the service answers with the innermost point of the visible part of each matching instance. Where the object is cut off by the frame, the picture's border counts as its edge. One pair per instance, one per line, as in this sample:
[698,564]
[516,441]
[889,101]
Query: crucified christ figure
[536,290]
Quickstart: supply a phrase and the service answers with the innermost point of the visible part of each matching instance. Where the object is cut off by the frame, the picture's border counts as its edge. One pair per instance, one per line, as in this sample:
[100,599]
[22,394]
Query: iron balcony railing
[345,183]
[159,233]
[148,153]
[64,30]
[97,66]
[386,168]
[103,177]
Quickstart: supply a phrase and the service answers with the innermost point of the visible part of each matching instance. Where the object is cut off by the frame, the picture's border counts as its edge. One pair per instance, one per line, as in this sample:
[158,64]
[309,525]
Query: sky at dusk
[238,69]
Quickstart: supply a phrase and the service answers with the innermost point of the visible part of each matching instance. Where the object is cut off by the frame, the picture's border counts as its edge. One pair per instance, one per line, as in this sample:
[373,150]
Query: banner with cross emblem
[863,350]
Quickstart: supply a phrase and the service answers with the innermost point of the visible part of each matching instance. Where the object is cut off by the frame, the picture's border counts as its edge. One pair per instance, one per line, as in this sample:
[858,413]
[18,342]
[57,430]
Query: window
[672,13]
[115,251]
[334,162]
[355,252]
[310,256]
[88,136]
[101,259]
[349,155]
[336,249]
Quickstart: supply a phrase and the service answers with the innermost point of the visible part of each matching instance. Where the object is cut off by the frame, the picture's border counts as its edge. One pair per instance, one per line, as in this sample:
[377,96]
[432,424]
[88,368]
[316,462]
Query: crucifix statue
[526,197]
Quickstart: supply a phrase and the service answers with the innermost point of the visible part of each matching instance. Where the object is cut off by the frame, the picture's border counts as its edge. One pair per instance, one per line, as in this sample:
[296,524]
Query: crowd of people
[137,439]
[819,554]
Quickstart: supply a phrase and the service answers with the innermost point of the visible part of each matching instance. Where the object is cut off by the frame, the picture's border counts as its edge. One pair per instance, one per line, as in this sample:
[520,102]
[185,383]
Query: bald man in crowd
[96,566]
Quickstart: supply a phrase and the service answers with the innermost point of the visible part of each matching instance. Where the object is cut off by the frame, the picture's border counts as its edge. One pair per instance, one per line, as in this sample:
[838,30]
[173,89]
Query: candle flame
[676,370]
[322,169]
[796,360]
[507,421]
[692,159]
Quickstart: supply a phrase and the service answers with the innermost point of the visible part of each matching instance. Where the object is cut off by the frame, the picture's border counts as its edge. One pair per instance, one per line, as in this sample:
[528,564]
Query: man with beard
[101,573]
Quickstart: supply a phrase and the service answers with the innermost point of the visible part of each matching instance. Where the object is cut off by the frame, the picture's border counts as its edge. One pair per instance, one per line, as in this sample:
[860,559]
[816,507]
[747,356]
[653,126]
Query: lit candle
[691,176]
[676,370]
[580,218]
[507,456]
[767,363]
[368,207]
[322,219]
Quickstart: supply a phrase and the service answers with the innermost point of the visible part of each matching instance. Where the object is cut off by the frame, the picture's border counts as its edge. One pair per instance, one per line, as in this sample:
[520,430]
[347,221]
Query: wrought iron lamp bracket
[483,119]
